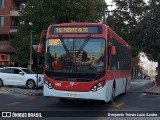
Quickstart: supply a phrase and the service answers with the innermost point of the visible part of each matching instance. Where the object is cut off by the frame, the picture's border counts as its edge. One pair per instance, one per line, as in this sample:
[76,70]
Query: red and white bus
[85,61]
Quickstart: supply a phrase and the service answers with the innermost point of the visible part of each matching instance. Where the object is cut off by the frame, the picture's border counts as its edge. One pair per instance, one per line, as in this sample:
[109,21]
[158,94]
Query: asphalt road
[135,101]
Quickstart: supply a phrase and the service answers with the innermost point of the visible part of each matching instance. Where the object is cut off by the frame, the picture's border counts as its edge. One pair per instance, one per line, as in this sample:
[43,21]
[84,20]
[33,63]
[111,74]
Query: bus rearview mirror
[40,48]
[113,50]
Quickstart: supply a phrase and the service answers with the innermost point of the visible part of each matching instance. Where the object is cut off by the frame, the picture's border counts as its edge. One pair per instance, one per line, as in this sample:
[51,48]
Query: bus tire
[113,94]
[125,91]
[1,83]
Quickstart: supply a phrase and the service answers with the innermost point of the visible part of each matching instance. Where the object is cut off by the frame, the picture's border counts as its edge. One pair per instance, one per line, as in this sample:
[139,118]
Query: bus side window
[112,59]
[109,39]
[111,65]
[109,57]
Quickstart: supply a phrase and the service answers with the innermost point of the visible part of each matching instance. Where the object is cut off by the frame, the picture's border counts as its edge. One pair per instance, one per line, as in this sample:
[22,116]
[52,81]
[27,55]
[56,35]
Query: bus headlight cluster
[48,84]
[98,86]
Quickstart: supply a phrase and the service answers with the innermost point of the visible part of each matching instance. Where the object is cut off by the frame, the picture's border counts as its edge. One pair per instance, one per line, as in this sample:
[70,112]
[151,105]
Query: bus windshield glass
[75,55]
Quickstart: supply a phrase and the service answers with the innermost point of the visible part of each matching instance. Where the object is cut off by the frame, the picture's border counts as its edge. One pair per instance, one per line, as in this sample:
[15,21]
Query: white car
[18,76]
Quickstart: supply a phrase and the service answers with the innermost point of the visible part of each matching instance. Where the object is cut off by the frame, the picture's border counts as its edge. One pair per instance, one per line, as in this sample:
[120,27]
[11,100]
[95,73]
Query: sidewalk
[24,91]
[154,90]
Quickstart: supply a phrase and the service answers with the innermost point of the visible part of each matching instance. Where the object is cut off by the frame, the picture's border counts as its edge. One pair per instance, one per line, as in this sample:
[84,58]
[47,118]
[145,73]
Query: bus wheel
[112,95]
[1,83]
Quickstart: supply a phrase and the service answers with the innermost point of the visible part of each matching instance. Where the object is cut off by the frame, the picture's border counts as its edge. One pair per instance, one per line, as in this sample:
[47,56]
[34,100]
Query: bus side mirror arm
[40,46]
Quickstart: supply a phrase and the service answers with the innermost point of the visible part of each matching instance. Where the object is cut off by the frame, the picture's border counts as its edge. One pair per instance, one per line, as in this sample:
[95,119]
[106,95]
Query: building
[148,67]
[9,20]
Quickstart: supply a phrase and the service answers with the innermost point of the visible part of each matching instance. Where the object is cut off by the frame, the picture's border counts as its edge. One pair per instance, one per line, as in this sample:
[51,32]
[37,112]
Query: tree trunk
[158,77]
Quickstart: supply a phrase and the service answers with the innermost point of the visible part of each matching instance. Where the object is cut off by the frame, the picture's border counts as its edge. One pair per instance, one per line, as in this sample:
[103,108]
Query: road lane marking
[117,105]
[100,118]
[13,104]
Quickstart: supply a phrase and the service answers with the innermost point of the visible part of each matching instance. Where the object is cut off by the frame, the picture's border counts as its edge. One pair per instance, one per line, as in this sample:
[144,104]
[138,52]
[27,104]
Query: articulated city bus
[85,61]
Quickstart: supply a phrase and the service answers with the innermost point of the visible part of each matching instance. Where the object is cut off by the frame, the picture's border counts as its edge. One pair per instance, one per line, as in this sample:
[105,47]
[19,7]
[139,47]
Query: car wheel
[1,83]
[30,84]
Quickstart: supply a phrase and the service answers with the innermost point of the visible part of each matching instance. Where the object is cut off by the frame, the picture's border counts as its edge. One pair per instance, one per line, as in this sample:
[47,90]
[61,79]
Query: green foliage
[125,19]
[42,13]
[140,26]
[150,31]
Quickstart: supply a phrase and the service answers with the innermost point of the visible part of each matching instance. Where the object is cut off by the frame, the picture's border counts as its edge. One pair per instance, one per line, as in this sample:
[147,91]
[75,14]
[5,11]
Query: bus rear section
[77,63]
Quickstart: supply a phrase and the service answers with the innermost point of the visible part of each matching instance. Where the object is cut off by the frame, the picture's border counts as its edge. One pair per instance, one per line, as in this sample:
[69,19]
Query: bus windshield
[75,55]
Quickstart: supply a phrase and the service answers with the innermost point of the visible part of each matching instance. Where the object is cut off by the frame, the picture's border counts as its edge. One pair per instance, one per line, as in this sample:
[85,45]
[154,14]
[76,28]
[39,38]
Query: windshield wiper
[67,51]
[64,45]
[83,45]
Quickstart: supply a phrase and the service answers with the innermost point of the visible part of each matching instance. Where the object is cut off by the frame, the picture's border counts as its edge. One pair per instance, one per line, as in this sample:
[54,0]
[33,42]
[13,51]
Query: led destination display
[76,30]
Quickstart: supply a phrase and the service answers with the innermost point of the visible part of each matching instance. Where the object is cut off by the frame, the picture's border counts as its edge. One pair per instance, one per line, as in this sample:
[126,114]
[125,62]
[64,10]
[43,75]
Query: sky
[109,2]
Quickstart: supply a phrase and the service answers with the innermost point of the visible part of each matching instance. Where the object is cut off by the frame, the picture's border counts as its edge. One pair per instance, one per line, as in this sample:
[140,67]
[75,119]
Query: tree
[149,37]
[139,25]
[42,13]
[125,18]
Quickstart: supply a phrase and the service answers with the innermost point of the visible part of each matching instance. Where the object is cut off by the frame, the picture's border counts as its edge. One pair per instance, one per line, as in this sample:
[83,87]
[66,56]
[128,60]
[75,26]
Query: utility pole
[30,63]
[31,51]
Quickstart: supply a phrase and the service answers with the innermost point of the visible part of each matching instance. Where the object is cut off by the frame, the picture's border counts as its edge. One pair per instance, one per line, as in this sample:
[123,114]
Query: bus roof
[116,36]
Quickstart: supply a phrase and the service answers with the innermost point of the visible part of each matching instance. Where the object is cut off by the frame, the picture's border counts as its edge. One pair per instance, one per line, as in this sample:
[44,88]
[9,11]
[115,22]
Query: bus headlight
[48,84]
[98,86]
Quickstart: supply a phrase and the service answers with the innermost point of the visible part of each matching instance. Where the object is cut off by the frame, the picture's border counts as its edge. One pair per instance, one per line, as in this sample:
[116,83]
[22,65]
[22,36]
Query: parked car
[19,76]
[147,77]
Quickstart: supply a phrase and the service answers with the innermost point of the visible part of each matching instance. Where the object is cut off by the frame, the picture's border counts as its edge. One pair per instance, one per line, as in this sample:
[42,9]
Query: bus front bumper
[102,94]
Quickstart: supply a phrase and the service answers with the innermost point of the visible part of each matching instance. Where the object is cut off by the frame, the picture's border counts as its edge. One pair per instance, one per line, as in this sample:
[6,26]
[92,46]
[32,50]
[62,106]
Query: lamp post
[35,48]
[30,63]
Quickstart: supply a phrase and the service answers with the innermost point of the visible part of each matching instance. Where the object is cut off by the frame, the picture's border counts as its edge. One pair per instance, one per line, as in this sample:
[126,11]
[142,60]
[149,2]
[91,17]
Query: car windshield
[75,55]
[27,71]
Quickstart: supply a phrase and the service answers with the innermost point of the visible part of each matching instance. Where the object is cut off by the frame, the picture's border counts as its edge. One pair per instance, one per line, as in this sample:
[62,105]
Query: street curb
[16,92]
[153,90]
[152,93]
[33,94]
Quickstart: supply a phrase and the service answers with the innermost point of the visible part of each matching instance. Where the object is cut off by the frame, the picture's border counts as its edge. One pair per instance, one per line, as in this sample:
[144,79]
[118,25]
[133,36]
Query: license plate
[71,95]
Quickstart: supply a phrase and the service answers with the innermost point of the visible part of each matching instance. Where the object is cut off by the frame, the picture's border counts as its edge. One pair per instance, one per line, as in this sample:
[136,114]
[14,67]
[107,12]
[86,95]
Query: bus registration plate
[71,95]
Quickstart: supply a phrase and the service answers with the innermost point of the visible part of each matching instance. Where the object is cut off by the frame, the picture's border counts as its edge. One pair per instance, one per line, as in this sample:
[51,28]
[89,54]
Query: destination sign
[54,42]
[76,30]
